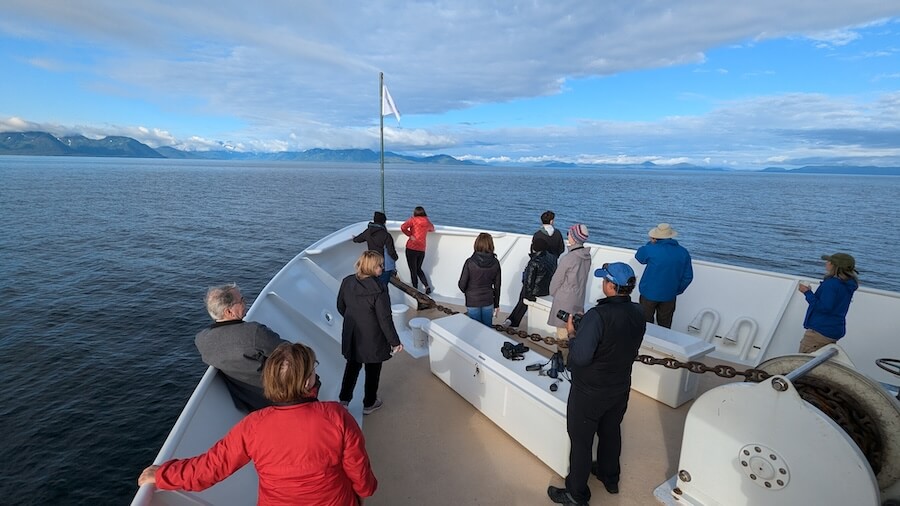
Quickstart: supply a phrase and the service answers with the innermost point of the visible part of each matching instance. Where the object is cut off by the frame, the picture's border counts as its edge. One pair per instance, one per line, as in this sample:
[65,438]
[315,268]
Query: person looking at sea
[479,281]
[568,286]
[535,281]
[305,451]
[417,228]
[668,274]
[548,235]
[826,316]
[237,348]
[368,336]
[377,238]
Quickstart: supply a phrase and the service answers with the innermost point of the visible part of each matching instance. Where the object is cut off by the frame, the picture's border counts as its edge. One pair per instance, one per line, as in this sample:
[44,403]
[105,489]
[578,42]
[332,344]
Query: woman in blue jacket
[826,318]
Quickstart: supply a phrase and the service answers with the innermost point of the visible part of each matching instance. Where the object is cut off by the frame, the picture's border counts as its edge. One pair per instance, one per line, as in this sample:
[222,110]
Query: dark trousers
[518,312]
[587,415]
[351,373]
[415,259]
[664,311]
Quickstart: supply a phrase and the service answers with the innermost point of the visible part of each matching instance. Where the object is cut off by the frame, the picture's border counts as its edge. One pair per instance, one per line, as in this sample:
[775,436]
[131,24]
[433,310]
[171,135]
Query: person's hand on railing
[148,476]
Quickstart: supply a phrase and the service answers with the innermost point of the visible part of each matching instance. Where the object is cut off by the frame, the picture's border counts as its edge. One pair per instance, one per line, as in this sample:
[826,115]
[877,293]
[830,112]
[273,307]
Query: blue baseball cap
[617,272]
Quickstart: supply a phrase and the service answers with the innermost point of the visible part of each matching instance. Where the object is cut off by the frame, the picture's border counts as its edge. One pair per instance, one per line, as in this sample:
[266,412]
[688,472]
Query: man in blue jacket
[667,275]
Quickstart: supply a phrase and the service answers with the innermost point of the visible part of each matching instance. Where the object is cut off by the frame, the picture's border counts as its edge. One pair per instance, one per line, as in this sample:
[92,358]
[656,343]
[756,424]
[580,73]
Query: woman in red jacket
[324,463]
[416,228]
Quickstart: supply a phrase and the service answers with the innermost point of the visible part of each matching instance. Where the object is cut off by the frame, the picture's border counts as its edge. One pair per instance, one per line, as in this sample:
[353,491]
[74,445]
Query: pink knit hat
[579,232]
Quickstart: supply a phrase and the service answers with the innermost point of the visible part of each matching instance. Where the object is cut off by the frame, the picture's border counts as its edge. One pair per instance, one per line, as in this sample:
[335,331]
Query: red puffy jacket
[416,228]
[309,453]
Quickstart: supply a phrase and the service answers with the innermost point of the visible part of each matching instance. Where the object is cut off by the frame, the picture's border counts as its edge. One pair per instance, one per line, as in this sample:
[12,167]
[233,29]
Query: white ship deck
[430,446]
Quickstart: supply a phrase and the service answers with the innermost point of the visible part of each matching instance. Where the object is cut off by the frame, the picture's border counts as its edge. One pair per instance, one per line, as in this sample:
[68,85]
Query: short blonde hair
[287,371]
[367,263]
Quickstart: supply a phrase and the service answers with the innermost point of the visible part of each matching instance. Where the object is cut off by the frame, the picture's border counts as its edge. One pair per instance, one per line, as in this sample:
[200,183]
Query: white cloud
[303,75]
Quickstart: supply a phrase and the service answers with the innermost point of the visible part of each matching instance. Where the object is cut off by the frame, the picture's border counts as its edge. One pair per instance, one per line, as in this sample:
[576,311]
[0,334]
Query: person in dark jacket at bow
[551,237]
[377,238]
[535,280]
[826,316]
[601,353]
[368,335]
[480,281]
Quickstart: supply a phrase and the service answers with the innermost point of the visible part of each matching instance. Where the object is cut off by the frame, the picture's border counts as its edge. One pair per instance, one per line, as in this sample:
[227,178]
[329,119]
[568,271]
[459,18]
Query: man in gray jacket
[237,348]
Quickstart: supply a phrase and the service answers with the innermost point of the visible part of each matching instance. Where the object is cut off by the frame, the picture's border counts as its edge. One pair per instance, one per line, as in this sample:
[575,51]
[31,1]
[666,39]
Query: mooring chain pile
[846,412]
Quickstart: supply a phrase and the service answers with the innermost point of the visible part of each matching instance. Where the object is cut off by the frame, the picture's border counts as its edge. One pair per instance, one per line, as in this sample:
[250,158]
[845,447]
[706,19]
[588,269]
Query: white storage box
[465,355]
[538,313]
[672,387]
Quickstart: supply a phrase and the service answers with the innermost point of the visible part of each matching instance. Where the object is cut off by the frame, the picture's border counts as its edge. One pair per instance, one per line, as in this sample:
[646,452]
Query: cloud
[302,75]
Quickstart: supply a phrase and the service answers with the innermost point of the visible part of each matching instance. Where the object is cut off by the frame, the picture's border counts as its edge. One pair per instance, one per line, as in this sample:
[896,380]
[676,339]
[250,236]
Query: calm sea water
[104,264]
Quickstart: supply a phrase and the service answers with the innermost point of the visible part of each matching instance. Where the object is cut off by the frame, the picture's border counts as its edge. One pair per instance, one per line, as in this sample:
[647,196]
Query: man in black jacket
[549,236]
[377,238]
[535,281]
[601,353]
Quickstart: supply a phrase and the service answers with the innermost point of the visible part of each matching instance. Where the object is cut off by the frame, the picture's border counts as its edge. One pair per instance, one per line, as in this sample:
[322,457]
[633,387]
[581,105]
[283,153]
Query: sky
[741,85]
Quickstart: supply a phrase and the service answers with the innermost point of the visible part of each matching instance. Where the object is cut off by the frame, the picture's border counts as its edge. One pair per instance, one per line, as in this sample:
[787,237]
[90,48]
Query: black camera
[563,315]
[512,351]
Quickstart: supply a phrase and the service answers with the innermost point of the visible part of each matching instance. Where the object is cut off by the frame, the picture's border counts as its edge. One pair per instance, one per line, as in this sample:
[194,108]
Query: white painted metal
[466,356]
[780,437]
[538,314]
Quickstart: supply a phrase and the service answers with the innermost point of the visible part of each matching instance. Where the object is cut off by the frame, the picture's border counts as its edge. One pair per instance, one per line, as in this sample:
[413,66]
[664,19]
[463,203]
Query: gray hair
[220,298]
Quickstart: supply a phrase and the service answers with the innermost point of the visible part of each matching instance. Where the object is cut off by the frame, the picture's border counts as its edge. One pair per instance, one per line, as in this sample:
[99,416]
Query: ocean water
[104,264]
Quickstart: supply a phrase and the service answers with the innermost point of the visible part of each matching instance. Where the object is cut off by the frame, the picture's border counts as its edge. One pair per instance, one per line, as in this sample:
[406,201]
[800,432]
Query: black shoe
[609,485]
[427,290]
[562,496]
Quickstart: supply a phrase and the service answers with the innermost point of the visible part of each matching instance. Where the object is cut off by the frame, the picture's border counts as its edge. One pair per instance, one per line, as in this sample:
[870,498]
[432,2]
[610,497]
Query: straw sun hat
[662,231]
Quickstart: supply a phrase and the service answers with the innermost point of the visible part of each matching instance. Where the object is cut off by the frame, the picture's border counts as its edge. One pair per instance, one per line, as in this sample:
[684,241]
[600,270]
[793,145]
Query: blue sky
[704,82]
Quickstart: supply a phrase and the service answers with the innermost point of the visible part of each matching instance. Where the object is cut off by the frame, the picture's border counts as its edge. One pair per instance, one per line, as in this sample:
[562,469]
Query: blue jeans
[385,278]
[484,314]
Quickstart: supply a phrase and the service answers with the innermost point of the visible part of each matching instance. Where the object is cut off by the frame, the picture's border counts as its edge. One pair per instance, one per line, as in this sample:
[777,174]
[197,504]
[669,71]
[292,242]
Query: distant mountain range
[45,144]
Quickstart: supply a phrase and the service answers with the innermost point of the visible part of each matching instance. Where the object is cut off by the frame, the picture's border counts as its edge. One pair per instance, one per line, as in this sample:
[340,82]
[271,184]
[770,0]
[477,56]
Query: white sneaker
[507,322]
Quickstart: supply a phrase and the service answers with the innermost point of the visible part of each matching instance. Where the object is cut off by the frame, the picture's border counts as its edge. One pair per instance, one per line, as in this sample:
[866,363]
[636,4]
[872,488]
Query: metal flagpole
[381,119]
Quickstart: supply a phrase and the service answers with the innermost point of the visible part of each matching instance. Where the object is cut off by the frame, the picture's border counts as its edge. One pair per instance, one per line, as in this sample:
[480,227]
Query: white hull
[299,304]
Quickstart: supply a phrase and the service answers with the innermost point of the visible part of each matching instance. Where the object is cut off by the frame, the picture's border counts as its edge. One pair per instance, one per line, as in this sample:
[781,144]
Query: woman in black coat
[368,335]
[480,281]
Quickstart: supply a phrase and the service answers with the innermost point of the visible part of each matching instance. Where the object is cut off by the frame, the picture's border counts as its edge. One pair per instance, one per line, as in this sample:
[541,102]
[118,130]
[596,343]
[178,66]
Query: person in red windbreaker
[416,228]
[305,451]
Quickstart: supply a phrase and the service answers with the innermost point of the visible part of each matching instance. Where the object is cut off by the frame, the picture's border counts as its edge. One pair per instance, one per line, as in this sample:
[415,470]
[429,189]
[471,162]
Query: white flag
[387,104]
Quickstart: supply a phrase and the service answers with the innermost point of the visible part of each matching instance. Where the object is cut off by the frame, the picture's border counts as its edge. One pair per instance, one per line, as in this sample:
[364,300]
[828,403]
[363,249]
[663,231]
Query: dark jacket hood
[485,260]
